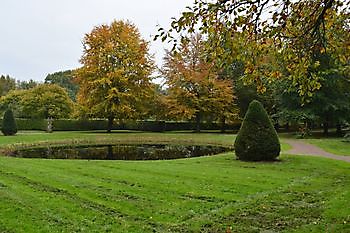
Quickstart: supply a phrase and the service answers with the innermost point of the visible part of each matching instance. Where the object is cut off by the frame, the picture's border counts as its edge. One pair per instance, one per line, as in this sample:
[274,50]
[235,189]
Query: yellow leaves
[343,59]
[276,74]
[249,68]
[116,70]
[316,64]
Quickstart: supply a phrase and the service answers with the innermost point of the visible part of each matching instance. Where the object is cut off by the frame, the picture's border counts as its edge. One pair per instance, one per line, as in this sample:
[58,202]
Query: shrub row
[29,124]
[84,125]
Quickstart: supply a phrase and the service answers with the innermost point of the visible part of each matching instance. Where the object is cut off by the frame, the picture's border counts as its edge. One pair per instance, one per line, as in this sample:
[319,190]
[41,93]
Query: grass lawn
[332,145]
[206,194]
[39,137]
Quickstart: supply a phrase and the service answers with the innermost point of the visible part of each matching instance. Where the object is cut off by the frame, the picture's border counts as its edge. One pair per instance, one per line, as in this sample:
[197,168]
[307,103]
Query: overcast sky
[38,37]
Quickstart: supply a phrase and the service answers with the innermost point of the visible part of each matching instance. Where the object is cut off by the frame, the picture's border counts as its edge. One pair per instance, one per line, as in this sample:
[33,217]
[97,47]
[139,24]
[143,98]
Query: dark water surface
[121,152]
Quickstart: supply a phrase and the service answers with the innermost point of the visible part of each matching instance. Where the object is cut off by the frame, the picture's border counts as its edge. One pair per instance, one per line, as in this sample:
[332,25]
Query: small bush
[257,139]
[9,126]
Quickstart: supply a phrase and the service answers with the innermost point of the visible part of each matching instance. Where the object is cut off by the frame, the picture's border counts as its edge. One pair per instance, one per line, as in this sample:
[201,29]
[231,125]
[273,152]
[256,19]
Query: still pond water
[121,152]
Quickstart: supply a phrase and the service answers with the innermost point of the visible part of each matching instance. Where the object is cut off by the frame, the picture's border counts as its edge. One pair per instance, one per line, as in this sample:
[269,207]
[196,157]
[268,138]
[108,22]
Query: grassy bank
[207,194]
[332,145]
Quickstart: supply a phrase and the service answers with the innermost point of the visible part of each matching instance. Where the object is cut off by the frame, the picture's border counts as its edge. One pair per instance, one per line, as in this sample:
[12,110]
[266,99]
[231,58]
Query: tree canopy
[6,84]
[329,106]
[194,89]
[64,79]
[115,77]
[42,101]
[253,31]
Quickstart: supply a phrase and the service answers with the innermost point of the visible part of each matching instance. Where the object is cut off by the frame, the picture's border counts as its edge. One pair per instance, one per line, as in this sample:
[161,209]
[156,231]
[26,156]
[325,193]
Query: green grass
[40,137]
[332,145]
[207,194]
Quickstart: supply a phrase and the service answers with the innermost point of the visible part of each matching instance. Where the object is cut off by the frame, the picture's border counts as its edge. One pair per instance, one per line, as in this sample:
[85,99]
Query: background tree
[42,101]
[157,108]
[194,89]
[26,85]
[47,101]
[115,77]
[247,92]
[6,84]
[64,79]
[13,100]
[9,126]
[329,106]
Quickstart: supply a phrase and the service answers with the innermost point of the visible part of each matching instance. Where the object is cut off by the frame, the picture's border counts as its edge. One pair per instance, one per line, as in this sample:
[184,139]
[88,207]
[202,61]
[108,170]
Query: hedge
[85,125]
[31,124]
[79,125]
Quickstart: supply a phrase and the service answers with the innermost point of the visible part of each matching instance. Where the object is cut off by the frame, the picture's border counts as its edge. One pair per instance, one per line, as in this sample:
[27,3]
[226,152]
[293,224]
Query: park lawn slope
[207,194]
[332,145]
[74,137]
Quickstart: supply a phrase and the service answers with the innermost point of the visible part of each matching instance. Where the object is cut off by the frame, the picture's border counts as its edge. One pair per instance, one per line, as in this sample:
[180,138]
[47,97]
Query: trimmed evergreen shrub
[257,139]
[9,126]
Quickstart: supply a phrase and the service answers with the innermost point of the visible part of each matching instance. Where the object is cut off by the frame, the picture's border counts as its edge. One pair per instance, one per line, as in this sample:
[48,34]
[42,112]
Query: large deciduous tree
[13,100]
[42,101]
[329,106]
[248,30]
[47,101]
[194,89]
[115,77]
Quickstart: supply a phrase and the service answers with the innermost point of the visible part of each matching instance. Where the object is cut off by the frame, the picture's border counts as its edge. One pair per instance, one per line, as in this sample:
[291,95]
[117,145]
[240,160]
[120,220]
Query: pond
[120,152]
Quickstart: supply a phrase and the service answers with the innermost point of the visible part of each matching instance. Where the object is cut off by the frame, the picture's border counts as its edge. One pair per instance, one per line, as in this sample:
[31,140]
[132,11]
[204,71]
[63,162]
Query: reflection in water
[121,152]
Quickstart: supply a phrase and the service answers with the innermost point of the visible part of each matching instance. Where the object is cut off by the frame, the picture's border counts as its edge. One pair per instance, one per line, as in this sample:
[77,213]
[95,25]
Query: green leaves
[42,101]
[257,31]
[9,126]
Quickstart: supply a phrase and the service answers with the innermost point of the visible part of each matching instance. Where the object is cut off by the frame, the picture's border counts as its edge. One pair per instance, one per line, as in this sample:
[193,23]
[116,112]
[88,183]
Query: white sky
[38,37]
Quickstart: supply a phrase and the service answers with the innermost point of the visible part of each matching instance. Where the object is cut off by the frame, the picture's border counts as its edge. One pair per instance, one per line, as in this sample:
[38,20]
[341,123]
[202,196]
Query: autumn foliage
[115,76]
[194,88]
[291,30]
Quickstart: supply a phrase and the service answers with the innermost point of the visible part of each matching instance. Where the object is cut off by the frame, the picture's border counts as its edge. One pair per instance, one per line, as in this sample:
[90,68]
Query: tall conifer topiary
[257,139]
[9,126]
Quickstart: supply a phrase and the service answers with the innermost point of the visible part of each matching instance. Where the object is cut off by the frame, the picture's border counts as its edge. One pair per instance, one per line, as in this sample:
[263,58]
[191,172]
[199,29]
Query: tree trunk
[339,133]
[198,122]
[110,124]
[223,125]
[325,128]
[286,127]
[109,152]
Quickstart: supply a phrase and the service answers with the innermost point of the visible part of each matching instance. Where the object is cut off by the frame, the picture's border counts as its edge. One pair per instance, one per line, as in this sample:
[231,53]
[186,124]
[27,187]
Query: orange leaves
[193,84]
[252,31]
[116,70]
